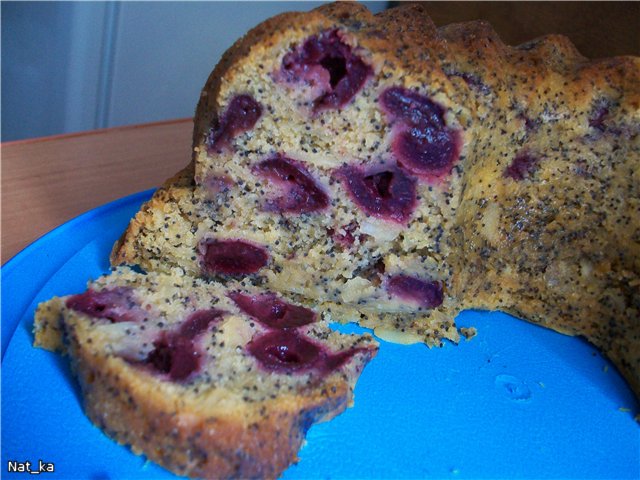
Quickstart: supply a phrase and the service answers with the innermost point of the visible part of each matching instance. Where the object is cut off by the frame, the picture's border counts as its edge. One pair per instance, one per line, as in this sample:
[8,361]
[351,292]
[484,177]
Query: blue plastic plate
[517,401]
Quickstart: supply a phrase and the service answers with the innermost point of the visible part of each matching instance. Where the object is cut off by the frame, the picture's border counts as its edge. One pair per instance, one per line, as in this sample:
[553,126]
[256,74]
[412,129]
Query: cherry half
[232,257]
[271,311]
[241,115]
[427,294]
[386,193]
[330,65]
[300,192]
[423,143]
[286,351]
[116,304]
[175,354]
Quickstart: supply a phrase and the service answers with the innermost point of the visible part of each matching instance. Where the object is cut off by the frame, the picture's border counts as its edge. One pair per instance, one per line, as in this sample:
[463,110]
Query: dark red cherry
[330,65]
[522,166]
[427,151]
[388,193]
[300,192]
[177,358]
[333,361]
[285,351]
[241,115]
[412,108]
[344,90]
[336,360]
[427,294]
[116,304]
[232,257]
[160,358]
[271,311]
[175,353]
[198,322]
[423,143]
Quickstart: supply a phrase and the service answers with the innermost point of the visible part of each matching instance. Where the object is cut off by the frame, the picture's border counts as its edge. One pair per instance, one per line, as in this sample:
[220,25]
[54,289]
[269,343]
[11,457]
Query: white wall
[72,66]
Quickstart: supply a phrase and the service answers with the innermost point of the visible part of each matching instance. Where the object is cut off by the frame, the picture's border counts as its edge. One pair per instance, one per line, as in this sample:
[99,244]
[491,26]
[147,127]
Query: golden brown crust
[245,444]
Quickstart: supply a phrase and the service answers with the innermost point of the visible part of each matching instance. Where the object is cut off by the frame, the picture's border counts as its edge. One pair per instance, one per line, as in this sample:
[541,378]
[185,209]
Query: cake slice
[397,173]
[208,380]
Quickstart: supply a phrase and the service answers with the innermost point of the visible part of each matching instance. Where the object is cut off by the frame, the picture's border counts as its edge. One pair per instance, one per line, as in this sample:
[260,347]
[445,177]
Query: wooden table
[47,181]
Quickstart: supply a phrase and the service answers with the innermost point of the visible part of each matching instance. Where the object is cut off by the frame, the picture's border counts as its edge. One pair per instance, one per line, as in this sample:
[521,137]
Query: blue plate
[517,401]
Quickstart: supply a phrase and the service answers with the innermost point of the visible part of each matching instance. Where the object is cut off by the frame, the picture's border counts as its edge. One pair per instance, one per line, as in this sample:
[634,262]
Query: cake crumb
[468,333]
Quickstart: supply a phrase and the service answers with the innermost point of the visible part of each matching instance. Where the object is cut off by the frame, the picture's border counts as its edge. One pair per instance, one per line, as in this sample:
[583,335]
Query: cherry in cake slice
[208,380]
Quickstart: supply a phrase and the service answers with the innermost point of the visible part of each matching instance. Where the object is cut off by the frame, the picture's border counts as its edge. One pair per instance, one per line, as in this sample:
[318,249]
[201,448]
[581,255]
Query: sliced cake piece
[208,380]
[397,173]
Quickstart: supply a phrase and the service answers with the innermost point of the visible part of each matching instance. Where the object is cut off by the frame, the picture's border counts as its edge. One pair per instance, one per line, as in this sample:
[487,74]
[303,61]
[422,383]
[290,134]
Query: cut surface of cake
[395,173]
[208,380]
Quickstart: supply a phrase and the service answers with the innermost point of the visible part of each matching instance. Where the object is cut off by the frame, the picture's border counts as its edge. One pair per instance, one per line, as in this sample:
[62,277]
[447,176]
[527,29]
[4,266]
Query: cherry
[198,322]
[330,65]
[284,351]
[241,115]
[232,257]
[388,193]
[301,193]
[271,311]
[175,353]
[424,293]
[116,304]
[427,151]
[412,108]
[423,143]
[178,358]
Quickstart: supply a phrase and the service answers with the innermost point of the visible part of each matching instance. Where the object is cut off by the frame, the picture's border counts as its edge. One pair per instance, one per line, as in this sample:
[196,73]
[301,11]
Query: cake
[393,173]
[357,168]
[208,380]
